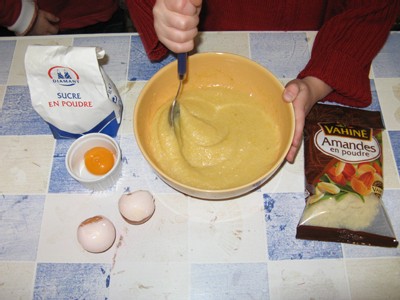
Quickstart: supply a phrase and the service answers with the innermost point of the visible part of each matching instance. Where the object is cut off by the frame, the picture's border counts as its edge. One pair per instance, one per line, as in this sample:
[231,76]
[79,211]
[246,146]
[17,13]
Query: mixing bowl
[209,70]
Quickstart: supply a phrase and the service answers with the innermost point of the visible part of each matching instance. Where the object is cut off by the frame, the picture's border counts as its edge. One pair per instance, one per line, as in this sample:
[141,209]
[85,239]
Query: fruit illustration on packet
[341,178]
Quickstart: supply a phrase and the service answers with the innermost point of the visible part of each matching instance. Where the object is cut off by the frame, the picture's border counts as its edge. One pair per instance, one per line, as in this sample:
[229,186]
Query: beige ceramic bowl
[210,69]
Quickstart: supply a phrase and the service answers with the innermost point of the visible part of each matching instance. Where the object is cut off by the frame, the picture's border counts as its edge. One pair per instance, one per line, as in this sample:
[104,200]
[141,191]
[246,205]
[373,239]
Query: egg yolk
[99,160]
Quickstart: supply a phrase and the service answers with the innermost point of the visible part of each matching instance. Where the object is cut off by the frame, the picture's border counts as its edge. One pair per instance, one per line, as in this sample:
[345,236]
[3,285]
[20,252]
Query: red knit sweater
[72,13]
[350,35]
[80,13]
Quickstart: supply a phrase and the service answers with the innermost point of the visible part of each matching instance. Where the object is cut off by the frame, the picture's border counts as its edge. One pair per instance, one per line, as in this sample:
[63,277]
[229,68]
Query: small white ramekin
[75,162]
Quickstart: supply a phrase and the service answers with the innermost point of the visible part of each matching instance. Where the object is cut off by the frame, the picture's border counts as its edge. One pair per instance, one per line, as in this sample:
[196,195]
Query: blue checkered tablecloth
[243,248]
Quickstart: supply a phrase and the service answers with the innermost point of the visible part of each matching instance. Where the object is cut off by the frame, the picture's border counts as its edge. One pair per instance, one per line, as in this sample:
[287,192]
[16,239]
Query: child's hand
[175,22]
[45,24]
[303,93]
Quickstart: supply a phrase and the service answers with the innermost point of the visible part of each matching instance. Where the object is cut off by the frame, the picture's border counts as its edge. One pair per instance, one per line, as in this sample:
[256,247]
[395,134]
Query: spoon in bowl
[174,109]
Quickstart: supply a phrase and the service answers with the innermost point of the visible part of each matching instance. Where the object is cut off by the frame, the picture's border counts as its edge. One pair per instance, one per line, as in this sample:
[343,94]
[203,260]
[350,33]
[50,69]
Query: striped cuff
[26,18]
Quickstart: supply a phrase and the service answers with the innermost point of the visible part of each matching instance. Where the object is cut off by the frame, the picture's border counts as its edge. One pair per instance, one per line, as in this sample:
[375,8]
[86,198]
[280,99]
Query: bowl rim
[247,187]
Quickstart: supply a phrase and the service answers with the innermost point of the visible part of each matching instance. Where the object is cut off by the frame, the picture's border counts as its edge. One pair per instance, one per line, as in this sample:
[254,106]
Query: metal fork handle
[182,65]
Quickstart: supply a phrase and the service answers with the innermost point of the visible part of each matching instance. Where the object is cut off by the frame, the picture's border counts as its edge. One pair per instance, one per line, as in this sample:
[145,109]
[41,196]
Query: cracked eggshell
[96,234]
[137,207]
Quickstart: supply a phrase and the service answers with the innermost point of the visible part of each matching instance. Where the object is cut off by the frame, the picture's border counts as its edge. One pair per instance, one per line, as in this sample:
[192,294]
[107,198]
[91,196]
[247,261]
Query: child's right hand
[175,22]
[303,93]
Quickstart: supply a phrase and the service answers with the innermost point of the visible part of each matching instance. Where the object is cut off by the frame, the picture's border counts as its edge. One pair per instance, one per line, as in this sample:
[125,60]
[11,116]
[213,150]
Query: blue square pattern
[60,180]
[72,281]
[18,116]
[375,105]
[395,141]
[21,217]
[284,54]
[282,214]
[387,63]
[140,67]
[117,52]
[229,281]
[7,52]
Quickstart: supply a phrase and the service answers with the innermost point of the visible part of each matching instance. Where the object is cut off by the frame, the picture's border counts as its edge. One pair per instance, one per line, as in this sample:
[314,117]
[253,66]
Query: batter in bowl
[222,139]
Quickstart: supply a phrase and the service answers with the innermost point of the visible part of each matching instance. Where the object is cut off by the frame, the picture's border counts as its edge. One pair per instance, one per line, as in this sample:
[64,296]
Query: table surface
[190,249]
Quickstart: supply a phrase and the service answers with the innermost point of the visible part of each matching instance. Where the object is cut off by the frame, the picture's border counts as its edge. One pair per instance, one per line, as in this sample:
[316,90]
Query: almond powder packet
[344,178]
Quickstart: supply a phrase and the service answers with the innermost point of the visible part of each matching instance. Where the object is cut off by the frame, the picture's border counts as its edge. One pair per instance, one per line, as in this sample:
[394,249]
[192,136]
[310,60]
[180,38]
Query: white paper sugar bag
[71,91]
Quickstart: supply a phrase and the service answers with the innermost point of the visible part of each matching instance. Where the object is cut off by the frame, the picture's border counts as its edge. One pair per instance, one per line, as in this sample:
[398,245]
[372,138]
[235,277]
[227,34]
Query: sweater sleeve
[141,13]
[18,16]
[345,47]
[9,12]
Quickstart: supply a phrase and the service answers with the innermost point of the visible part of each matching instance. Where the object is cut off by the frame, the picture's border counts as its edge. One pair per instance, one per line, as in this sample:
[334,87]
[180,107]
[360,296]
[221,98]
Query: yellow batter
[222,139]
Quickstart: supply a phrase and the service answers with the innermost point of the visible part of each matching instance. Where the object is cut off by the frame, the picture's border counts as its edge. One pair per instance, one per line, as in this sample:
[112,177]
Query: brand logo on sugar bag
[63,75]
